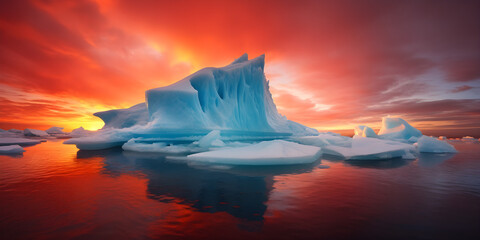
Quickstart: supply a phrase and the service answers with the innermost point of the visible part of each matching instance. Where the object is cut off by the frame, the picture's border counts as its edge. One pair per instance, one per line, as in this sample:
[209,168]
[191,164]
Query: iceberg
[17,141]
[397,128]
[54,130]
[34,133]
[11,149]
[364,131]
[275,152]
[363,148]
[427,144]
[234,99]
[124,118]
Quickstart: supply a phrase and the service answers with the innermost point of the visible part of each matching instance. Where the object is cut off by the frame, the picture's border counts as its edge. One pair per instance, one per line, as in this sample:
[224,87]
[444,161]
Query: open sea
[54,191]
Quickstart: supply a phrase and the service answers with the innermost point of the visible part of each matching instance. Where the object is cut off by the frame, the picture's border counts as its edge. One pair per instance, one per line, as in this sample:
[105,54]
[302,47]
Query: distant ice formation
[35,133]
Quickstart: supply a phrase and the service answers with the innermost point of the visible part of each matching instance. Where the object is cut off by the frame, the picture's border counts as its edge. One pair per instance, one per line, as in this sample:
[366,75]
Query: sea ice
[364,148]
[431,145]
[276,152]
[11,149]
[35,133]
[397,128]
[17,141]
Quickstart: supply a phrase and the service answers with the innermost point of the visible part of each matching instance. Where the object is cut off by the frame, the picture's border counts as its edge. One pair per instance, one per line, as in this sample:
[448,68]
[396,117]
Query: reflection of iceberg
[239,193]
[431,159]
[383,164]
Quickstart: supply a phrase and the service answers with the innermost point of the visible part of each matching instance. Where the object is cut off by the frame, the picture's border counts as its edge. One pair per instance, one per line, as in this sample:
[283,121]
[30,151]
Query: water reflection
[379,164]
[433,159]
[240,191]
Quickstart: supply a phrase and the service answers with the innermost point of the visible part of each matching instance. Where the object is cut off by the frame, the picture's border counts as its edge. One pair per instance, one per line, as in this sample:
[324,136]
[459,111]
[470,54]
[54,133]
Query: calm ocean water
[55,191]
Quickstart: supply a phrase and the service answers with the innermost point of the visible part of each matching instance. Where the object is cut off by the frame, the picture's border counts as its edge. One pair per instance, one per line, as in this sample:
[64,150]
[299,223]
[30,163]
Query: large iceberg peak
[235,97]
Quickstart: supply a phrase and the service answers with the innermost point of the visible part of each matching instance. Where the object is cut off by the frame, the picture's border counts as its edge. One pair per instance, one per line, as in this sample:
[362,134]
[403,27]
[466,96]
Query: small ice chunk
[442,138]
[34,133]
[276,152]
[212,139]
[364,131]
[371,149]
[55,130]
[427,144]
[17,141]
[11,149]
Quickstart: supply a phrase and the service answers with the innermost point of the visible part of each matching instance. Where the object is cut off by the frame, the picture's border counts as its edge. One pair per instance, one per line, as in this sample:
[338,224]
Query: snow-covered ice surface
[431,145]
[363,148]
[17,141]
[11,149]
[276,152]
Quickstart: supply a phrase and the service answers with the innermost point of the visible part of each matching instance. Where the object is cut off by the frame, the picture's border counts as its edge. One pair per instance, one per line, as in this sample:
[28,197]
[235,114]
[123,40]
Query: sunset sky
[331,64]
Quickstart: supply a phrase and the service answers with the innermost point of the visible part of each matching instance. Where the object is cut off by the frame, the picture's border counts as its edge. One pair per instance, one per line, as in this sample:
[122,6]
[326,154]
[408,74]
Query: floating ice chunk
[17,141]
[34,133]
[442,138]
[276,152]
[324,139]
[431,145]
[11,149]
[80,132]
[55,130]
[364,131]
[397,128]
[212,139]
[468,139]
[363,148]
[124,118]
